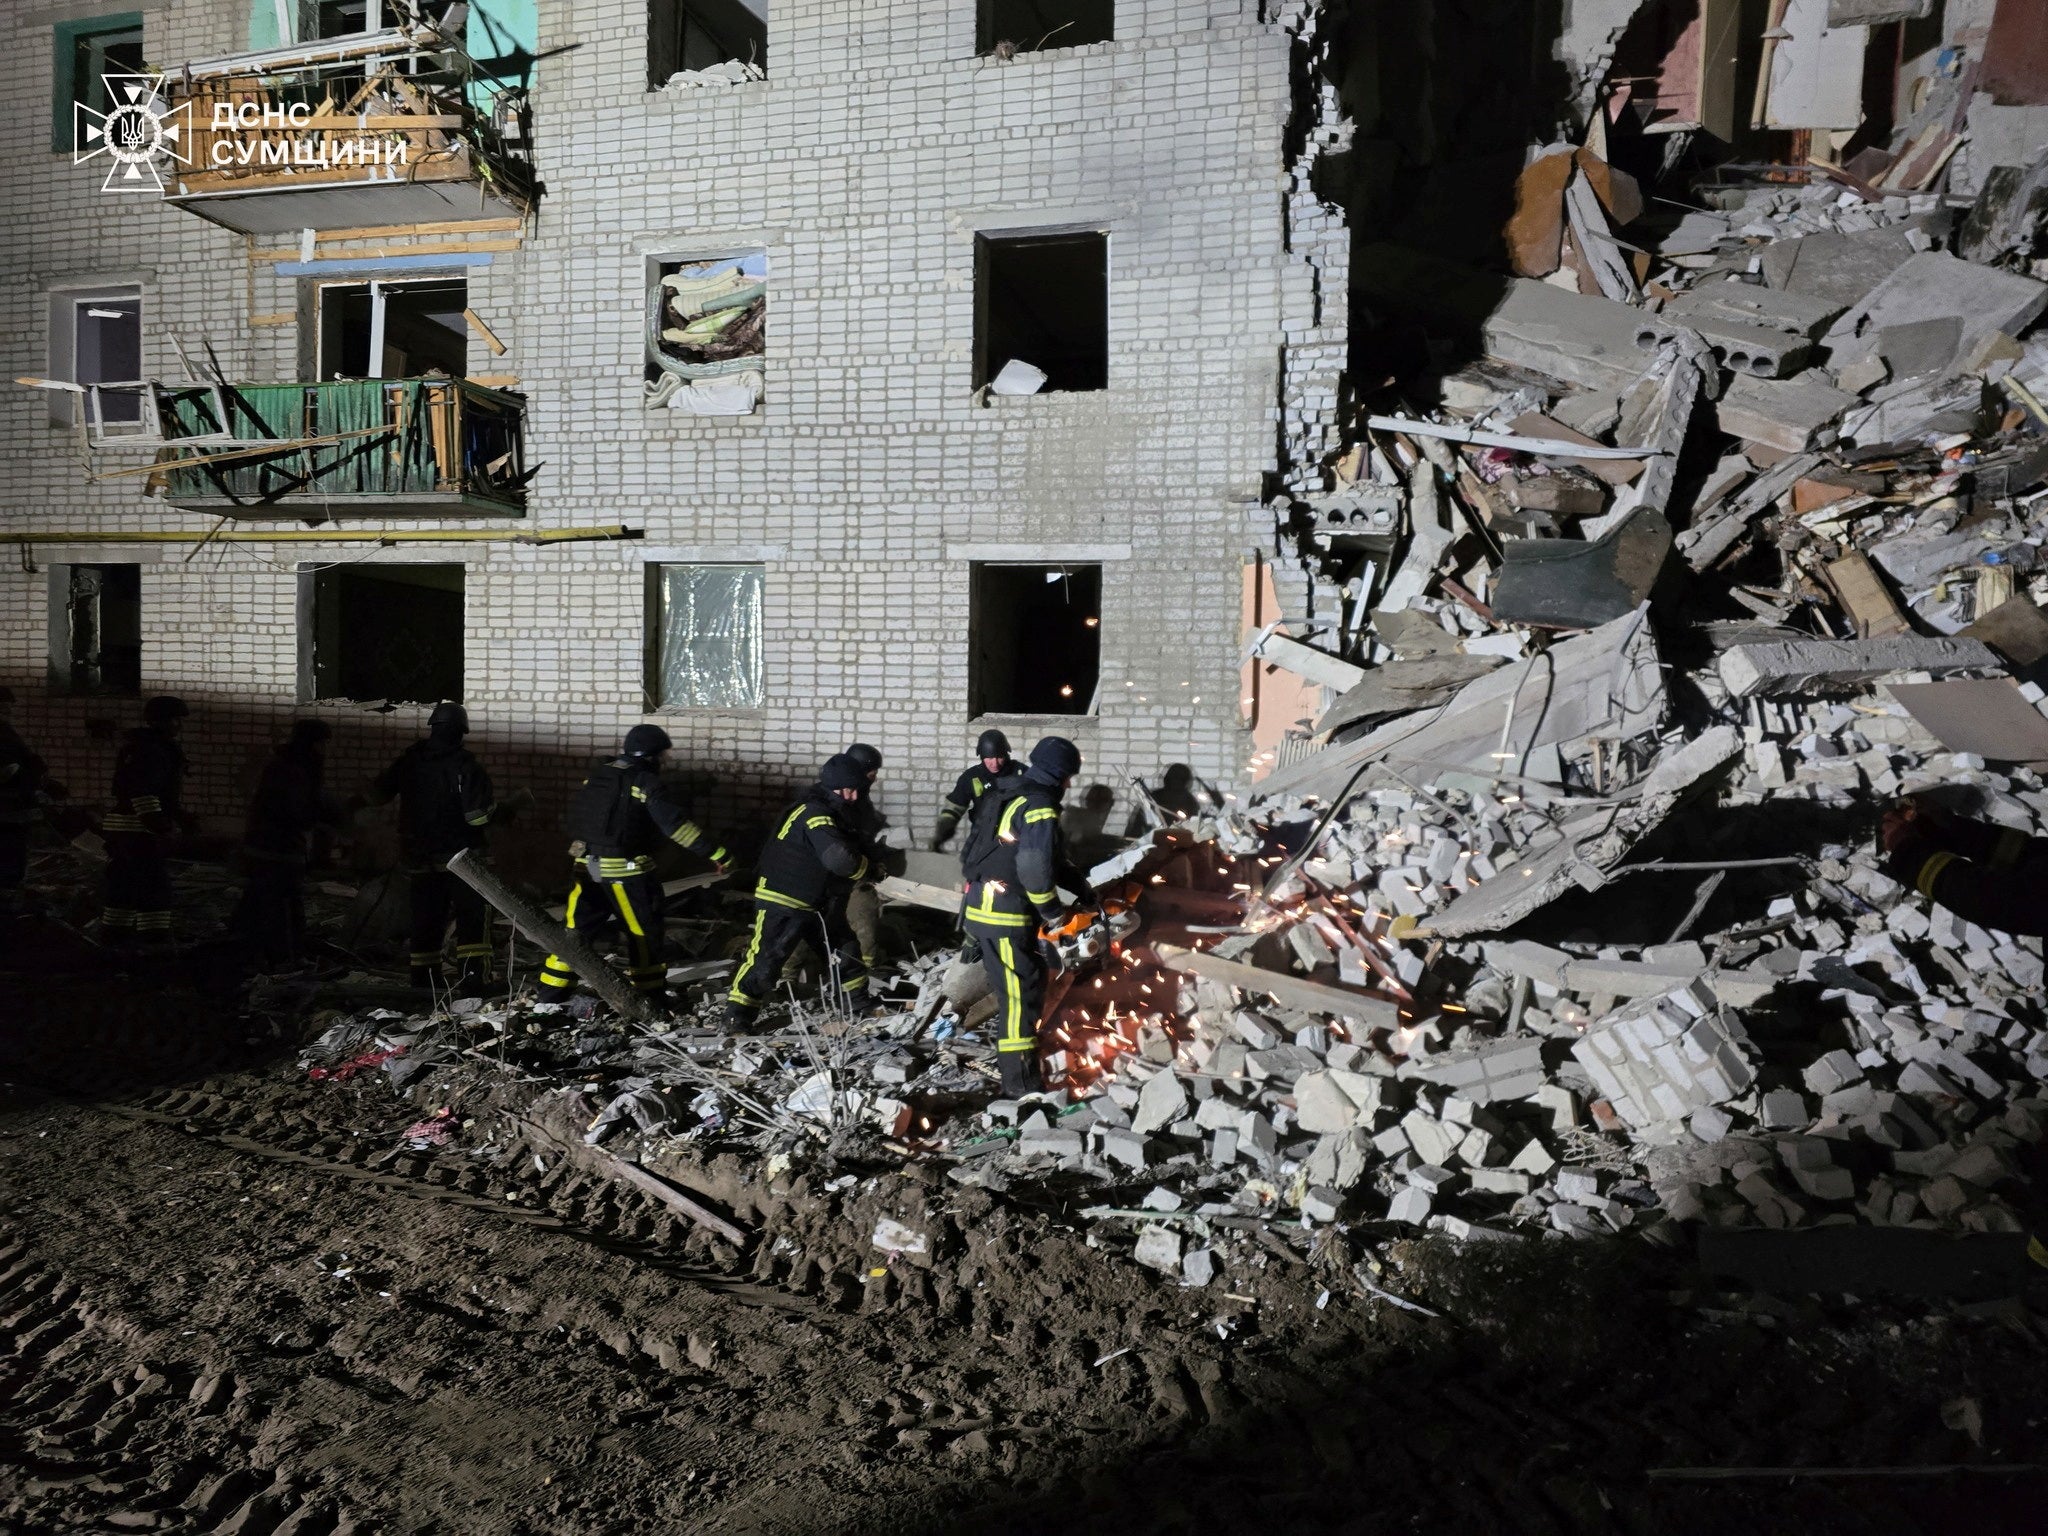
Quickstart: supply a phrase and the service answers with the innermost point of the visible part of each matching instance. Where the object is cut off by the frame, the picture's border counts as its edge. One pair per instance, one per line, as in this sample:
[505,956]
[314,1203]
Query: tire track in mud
[581,1194]
[689,1377]
[86,1440]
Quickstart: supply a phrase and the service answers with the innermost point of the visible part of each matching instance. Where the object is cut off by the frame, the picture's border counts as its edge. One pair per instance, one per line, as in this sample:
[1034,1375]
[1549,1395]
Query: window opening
[704,628]
[1009,27]
[387,632]
[83,54]
[1037,639]
[96,338]
[411,329]
[1042,312]
[706,41]
[707,334]
[98,629]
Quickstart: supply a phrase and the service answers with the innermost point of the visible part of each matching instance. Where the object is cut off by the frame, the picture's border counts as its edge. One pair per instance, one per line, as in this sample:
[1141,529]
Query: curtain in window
[711,636]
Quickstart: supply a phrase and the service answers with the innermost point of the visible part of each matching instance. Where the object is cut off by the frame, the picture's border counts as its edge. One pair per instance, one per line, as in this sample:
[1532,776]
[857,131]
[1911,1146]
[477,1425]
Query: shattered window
[1042,312]
[704,636]
[706,42]
[1027,26]
[96,628]
[386,632]
[707,335]
[97,339]
[1037,639]
[83,54]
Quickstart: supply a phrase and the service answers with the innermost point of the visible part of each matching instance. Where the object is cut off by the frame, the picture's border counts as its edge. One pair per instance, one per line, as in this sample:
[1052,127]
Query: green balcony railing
[431,440]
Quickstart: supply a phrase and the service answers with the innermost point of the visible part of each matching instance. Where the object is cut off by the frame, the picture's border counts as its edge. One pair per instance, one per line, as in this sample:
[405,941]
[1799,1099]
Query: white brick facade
[864,166]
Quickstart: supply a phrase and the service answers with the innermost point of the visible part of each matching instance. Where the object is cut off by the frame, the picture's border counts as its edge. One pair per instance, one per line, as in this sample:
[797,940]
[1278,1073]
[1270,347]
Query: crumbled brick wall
[863,166]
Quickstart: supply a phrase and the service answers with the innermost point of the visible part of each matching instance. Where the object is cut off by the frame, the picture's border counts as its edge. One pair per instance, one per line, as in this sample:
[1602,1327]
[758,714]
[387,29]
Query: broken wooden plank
[607,1165]
[1865,598]
[1292,991]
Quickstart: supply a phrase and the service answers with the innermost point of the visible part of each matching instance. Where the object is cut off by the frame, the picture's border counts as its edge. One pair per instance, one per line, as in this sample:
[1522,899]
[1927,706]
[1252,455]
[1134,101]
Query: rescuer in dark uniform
[862,901]
[149,782]
[995,768]
[1014,864]
[24,780]
[807,867]
[445,804]
[617,820]
[291,801]
[1995,877]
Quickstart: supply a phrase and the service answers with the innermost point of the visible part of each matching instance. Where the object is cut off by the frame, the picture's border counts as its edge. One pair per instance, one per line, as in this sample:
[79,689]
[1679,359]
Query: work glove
[1908,846]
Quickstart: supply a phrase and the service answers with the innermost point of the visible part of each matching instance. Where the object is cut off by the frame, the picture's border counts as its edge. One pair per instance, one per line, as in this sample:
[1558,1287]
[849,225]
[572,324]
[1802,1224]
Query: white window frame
[65,307]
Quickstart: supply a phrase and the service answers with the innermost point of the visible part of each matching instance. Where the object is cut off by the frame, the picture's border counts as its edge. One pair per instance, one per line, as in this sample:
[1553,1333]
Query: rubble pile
[1678,551]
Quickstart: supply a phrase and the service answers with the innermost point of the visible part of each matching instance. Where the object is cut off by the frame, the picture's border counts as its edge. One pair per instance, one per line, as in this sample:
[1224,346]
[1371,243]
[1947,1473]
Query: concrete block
[1163,1100]
[1410,1205]
[1159,1248]
[1126,1147]
[1321,1204]
[1785,1109]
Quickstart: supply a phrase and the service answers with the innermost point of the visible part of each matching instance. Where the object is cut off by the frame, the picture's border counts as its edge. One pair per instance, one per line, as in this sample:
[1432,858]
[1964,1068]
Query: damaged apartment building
[787,371]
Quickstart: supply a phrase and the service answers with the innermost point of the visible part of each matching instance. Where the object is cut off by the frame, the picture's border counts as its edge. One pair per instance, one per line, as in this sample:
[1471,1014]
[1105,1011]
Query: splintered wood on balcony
[390,139]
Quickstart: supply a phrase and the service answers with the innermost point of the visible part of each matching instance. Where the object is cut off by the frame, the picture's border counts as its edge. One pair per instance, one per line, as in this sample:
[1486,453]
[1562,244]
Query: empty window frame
[1036,639]
[335,18]
[381,632]
[704,636]
[684,36]
[408,329]
[1042,302]
[707,333]
[82,55]
[1027,26]
[96,338]
[96,629]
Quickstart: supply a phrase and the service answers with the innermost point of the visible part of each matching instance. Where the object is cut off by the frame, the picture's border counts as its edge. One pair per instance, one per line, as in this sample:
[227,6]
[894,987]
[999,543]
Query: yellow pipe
[339,536]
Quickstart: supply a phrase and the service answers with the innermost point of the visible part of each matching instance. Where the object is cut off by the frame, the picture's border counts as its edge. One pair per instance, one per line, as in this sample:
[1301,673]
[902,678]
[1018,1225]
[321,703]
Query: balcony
[380,129]
[431,447]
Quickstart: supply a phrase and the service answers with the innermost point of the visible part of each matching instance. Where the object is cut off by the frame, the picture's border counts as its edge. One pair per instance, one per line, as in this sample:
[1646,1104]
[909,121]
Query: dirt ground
[229,1301]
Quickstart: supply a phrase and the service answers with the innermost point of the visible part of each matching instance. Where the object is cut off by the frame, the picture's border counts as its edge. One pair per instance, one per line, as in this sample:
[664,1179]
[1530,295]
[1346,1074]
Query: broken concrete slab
[1588,846]
[1491,1071]
[1933,285]
[1625,978]
[1395,687]
[1821,666]
[1837,269]
[1752,304]
[1787,414]
[1576,338]
[1305,660]
[1572,584]
[1606,683]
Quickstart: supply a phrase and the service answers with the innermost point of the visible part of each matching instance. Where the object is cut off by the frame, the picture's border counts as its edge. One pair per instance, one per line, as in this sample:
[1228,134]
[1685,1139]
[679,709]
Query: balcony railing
[367,447]
[387,128]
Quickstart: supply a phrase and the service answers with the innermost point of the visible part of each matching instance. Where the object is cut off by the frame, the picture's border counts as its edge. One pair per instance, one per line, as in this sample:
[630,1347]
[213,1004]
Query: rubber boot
[1019,1073]
[421,978]
[738,1020]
